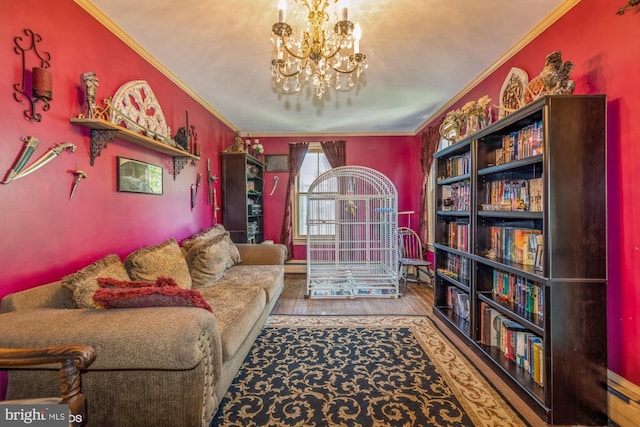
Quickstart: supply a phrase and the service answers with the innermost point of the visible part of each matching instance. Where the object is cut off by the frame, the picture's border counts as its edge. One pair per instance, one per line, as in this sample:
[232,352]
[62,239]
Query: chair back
[409,244]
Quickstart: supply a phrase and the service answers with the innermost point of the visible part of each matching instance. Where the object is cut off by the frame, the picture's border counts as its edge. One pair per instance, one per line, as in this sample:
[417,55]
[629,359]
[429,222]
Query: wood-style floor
[417,300]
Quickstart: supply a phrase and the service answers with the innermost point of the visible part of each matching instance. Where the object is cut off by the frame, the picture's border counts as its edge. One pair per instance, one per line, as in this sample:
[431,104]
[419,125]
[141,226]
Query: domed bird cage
[352,236]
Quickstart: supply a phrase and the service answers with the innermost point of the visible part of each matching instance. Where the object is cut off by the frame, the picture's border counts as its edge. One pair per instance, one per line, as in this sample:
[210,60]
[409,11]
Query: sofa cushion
[215,231]
[84,282]
[150,296]
[208,260]
[268,277]
[165,259]
[109,282]
[236,309]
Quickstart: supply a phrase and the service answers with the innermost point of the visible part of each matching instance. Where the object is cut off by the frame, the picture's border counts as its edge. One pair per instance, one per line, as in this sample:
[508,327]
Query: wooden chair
[412,262]
[70,358]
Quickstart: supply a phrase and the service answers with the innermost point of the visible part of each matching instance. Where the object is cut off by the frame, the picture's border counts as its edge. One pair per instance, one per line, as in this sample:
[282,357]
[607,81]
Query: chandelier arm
[292,53]
[338,70]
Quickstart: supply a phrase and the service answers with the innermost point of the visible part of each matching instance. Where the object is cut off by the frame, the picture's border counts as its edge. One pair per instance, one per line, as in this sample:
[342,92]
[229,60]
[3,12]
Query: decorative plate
[512,92]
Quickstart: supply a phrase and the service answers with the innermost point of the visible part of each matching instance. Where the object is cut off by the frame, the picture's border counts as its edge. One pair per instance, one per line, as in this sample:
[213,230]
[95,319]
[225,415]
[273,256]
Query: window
[315,164]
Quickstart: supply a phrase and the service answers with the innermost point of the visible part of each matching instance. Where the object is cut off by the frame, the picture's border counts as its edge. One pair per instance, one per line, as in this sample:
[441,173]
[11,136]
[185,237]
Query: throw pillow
[214,231]
[208,261]
[234,254]
[109,282]
[150,296]
[165,259]
[83,283]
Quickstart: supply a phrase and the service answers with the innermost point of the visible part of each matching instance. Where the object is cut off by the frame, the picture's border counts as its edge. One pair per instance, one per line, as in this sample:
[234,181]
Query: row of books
[456,197]
[458,301]
[518,145]
[514,341]
[513,244]
[526,295]
[457,267]
[457,235]
[457,165]
[515,194]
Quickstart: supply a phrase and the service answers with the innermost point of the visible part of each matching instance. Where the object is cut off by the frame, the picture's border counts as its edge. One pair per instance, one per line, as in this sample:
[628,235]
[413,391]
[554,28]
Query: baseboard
[624,401]
[295,266]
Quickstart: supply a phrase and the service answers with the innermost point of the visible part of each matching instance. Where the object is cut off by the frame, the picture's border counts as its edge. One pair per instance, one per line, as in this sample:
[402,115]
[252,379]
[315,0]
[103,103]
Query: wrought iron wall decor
[41,80]
[629,5]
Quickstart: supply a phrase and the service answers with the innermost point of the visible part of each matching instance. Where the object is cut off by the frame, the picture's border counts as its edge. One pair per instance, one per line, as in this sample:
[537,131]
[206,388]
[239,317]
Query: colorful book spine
[515,342]
[527,296]
[512,244]
[526,142]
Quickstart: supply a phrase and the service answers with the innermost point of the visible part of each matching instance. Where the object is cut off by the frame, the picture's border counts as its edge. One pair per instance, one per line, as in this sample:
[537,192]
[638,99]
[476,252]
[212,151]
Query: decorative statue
[451,127]
[238,145]
[555,75]
[91,84]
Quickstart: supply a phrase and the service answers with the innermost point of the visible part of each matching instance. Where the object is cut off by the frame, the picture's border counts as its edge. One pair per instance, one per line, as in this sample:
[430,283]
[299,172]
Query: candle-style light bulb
[357,33]
[282,10]
[344,5]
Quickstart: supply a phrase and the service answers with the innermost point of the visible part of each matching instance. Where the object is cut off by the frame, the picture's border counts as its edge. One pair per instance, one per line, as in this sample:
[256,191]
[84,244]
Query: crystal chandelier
[317,52]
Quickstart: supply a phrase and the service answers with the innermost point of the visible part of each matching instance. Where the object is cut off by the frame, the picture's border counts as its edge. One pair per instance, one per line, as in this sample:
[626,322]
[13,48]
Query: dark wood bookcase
[242,195]
[521,252]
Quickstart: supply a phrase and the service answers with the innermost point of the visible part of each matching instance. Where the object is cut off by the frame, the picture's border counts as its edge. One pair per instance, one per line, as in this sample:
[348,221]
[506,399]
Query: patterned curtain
[430,141]
[297,151]
[336,152]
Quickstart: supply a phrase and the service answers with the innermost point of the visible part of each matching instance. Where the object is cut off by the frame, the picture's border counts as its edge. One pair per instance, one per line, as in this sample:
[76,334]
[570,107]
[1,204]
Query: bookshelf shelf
[531,249]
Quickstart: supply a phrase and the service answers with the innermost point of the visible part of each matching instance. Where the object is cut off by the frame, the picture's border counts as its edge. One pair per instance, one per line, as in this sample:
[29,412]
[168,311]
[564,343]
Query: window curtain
[430,142]
[297,151]
[336,152]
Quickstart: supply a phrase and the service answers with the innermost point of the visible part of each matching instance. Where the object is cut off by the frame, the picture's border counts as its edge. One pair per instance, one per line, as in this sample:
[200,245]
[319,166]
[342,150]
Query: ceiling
[421,54]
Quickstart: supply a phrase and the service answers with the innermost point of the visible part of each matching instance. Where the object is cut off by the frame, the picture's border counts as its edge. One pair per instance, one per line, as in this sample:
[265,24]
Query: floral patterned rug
[359,371]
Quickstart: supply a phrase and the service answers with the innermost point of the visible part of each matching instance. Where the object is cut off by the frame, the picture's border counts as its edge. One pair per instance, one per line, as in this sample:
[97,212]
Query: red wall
[606,52]
[397,157]
[44,234]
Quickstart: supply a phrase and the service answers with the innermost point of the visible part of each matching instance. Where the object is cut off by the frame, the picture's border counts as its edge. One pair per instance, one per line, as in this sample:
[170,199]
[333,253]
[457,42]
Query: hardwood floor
[417,301]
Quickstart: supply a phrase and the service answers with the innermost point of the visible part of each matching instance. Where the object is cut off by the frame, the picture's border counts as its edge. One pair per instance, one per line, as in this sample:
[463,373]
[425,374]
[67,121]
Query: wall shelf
[103,132]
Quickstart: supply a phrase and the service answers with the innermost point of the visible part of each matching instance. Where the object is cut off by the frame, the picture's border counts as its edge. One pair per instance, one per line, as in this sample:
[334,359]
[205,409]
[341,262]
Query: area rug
[359,371]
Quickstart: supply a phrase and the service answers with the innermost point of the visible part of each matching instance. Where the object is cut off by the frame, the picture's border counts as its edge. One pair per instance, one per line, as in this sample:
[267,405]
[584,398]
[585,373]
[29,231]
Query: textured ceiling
[421,54]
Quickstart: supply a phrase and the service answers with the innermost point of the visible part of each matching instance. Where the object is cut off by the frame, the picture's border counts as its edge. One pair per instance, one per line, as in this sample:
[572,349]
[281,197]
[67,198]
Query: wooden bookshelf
[242,195]
[555,148]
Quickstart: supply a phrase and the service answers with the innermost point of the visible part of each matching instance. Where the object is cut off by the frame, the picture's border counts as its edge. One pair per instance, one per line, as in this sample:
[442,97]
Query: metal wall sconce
[41,80]
[629,5]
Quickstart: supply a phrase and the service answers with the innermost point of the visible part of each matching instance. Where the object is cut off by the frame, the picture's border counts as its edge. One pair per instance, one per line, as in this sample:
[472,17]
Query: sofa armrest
[263,254]
[160,338]
[52,295]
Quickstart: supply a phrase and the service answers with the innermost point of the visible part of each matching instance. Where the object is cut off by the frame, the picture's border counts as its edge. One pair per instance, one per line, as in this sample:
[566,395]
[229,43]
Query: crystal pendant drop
[286,86]
[350,81]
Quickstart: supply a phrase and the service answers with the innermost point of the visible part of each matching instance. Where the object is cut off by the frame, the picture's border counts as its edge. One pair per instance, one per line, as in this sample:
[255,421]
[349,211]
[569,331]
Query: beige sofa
[155,366]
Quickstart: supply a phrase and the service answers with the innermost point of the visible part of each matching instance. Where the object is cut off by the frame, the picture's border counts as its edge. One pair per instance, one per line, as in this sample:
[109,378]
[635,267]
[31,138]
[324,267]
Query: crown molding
[535,32]
[92,10]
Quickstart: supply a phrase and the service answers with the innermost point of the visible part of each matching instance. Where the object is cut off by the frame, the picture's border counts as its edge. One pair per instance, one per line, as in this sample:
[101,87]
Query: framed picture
[139,177]
[276,163]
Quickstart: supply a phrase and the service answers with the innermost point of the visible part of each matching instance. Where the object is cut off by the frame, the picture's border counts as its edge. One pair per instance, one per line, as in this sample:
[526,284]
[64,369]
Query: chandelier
[318,52]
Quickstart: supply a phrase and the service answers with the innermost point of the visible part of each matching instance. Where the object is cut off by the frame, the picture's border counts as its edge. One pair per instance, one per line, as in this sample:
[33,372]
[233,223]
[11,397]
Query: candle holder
[41,81]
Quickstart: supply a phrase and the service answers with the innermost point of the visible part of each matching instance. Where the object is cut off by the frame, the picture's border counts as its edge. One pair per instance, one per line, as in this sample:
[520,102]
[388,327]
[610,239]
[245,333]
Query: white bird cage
[352,236]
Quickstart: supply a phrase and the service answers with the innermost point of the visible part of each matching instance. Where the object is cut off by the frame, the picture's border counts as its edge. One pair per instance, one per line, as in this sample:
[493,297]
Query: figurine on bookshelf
[238,145]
